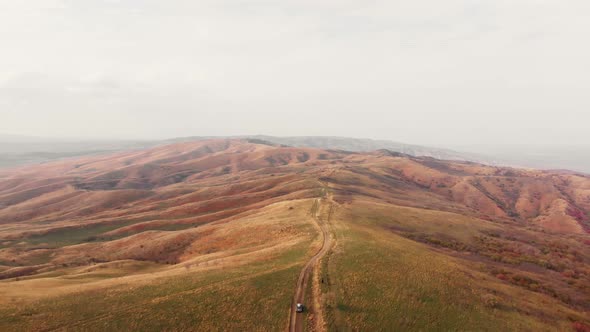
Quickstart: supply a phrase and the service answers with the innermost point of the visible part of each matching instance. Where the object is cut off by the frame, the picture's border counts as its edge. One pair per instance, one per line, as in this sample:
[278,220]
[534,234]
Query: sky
[445,73]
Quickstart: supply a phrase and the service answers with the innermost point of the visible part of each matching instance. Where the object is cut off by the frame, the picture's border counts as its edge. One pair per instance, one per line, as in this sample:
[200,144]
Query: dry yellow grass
[276,240]
[380,281]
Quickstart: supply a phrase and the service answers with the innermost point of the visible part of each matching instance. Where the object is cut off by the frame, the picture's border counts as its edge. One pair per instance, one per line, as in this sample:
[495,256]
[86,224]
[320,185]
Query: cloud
[418,71]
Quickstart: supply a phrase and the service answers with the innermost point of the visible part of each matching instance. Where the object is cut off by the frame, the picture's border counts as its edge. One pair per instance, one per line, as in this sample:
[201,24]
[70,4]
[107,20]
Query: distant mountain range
[21,150]
[365,145]
[24,150]
[358,145]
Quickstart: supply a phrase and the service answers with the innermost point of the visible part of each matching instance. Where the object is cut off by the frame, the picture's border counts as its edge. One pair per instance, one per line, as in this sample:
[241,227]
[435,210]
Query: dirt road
[296,321]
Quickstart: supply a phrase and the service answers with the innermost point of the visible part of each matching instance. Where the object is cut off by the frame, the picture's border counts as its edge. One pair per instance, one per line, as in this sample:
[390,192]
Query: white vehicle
[299,307]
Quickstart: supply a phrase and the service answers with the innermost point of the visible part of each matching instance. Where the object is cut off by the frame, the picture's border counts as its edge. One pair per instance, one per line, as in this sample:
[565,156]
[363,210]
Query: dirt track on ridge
[296,321]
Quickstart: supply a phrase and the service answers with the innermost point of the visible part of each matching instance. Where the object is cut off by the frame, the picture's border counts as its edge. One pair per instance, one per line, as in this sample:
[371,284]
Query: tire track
[296,321]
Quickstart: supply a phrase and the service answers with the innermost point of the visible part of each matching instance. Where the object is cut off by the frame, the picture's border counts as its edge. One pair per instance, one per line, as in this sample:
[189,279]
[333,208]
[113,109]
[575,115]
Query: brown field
[212,235]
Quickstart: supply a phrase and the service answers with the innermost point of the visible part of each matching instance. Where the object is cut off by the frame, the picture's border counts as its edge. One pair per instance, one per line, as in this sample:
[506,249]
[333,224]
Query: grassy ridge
[214,300]
[381,281]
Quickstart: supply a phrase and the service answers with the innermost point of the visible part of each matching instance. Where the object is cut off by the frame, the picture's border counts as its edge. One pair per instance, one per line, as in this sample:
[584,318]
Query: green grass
[505,250]
[384,282]
[158,227]
[92,233]
[256,297]
[71,236]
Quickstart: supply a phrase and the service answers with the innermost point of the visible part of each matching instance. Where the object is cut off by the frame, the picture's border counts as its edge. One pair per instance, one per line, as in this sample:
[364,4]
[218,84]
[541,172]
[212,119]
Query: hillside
[185,236]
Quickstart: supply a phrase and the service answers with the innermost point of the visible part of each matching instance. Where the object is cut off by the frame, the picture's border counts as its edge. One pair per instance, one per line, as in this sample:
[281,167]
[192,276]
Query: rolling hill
[22,150]
[213,234]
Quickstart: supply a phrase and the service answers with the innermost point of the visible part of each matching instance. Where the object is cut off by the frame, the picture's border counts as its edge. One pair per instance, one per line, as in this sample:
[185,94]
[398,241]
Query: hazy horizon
[19,150]
[445,74]
[6,137]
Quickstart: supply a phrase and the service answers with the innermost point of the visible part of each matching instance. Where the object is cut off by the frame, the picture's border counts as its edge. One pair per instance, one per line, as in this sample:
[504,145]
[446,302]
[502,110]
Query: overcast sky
[426,72]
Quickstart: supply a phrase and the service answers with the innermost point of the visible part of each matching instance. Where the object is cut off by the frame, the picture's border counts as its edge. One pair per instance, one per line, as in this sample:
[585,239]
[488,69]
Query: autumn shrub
[580,327]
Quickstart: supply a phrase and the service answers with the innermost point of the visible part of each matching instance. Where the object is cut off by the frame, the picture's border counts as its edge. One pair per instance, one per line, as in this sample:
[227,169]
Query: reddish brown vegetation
[581,327]
[146,205]
[576,213]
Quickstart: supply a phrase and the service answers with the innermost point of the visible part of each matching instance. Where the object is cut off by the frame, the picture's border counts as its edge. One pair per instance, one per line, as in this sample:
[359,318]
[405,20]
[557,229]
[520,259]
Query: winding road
[296,321]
